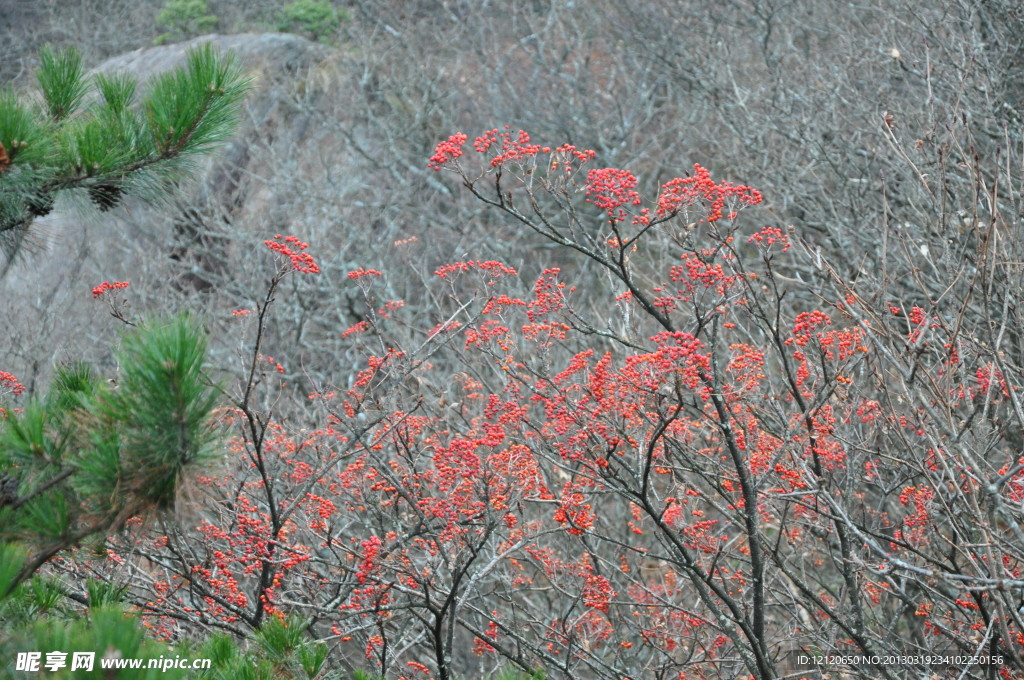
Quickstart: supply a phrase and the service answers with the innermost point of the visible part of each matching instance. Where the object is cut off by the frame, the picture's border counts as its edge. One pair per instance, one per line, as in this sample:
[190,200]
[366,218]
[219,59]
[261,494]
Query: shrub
[183,19]
[315,19]
[705,483]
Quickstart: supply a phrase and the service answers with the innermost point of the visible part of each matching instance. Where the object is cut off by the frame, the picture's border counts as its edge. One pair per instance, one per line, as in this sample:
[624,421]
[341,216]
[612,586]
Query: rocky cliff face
[276,124]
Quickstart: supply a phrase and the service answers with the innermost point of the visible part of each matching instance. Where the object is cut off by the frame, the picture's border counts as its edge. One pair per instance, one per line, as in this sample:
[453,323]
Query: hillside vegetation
[576,339]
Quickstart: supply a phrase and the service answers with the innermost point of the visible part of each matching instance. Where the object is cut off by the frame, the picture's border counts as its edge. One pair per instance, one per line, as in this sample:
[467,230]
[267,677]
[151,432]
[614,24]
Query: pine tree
[81,461]
[75,466]
[78,463]
[106,144]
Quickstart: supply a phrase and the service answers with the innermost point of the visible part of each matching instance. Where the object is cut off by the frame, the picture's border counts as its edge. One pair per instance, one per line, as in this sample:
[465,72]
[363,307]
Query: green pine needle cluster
[279,650]
[91,454]
[105,629]
[105,146]
[38,616]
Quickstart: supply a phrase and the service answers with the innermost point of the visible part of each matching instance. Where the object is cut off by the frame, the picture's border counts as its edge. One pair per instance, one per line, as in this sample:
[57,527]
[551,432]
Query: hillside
[538,339]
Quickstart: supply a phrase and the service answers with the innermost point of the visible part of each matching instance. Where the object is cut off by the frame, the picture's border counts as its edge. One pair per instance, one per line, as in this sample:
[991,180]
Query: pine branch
[112,147]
